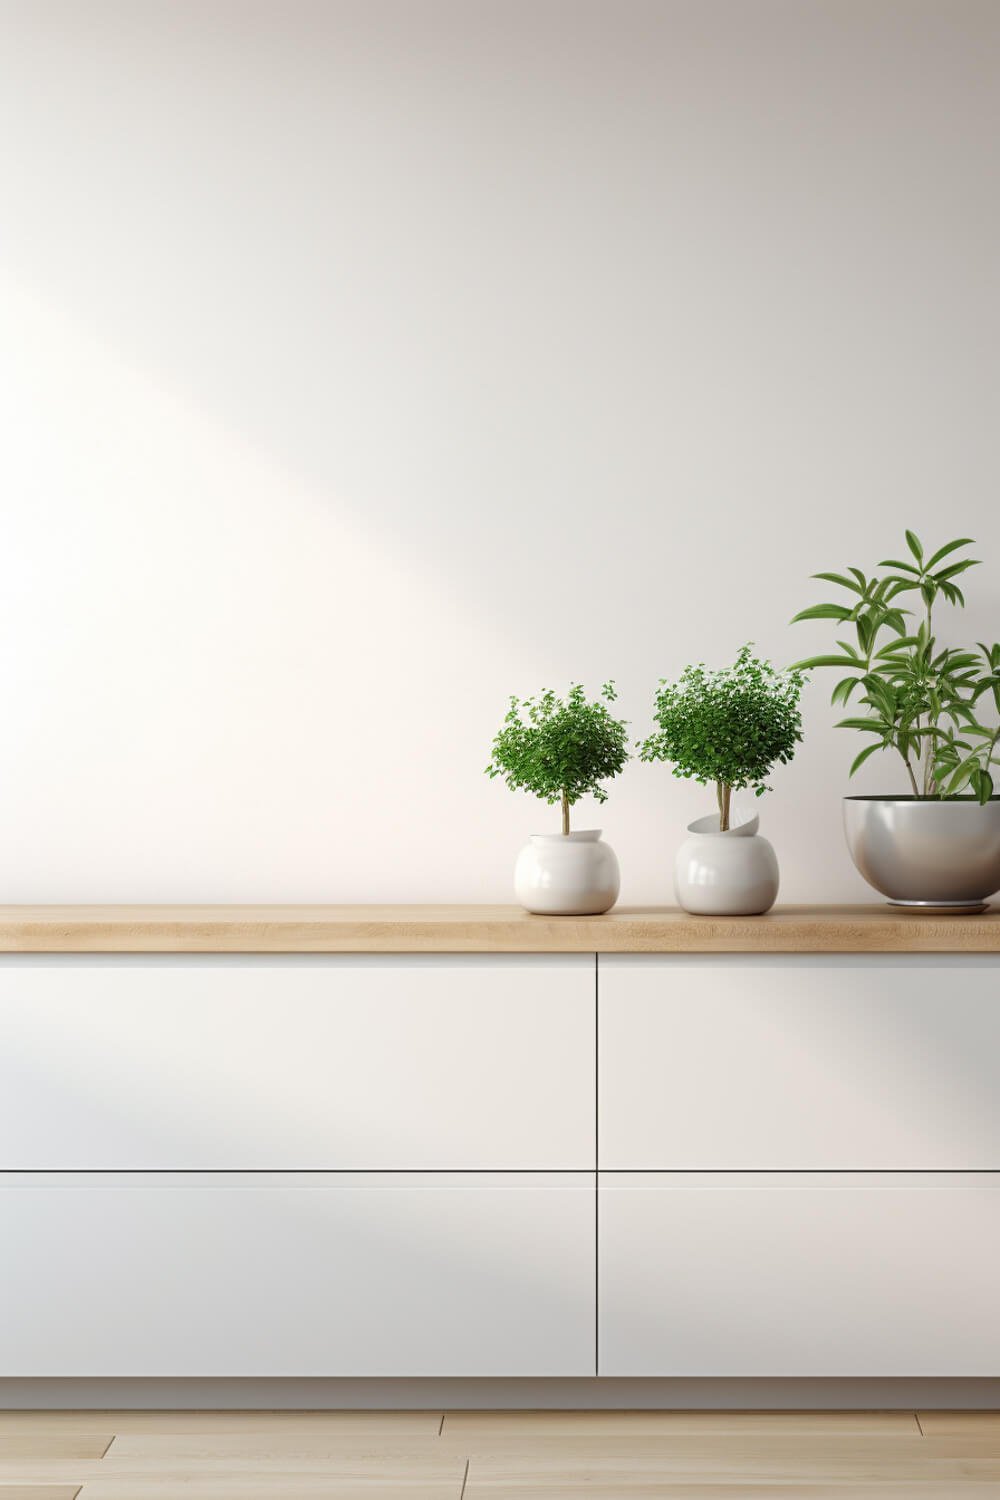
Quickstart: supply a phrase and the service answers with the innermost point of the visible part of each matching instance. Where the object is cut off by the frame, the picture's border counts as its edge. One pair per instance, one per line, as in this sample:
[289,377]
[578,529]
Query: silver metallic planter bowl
[926,853]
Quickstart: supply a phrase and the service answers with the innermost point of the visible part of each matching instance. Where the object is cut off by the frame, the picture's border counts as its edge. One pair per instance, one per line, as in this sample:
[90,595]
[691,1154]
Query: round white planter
[567,874]
[731,874]
[925,852]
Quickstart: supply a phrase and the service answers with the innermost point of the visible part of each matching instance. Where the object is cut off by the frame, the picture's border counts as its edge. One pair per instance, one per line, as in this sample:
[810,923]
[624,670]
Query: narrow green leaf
[895,621]
[963,541]
[955,569]
[823,612]
[982,784]
[847,583]
[901,586]
[842,692]
[860,759]
[867,726]
[824,661]
[901,643]
[913,542]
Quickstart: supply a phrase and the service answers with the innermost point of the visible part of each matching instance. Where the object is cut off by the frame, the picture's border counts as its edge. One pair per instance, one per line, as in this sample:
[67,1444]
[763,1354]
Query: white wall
[364,361]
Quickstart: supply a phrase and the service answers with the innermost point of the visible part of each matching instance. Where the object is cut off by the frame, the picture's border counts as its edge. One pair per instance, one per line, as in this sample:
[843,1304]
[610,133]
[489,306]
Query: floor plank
[475,1425]
[315,1448]
[38,1491]
[635,1465]
[402,1424]
[738,1491]
[278,1487]
[959,1423]
[44,1443]
[441,1470]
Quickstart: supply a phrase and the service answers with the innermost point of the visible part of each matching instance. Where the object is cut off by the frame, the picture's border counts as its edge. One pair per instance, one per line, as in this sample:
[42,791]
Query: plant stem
[988,759]
[909,772]
[724,794]
[565,813]
[929,787]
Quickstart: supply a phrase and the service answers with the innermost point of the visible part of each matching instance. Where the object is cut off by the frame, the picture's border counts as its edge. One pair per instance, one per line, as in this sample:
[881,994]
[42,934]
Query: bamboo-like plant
[729,727]
[560,749]
[921,699]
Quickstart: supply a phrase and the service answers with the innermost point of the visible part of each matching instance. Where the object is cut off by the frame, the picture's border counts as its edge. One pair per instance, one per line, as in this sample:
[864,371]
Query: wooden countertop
[485,929]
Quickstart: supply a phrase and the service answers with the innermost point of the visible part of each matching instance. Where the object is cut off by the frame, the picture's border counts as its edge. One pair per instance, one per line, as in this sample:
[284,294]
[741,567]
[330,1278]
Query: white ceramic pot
[731,874]
[567,874]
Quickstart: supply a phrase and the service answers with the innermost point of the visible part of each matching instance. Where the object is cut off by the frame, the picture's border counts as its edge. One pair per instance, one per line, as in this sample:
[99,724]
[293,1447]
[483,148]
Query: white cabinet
[386,1165]
[297,1274]
[272,1063]
[813,1063]
[798,1274]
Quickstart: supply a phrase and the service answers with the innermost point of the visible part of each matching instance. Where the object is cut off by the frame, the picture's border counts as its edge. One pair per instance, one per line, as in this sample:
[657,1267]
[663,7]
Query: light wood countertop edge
[485,929]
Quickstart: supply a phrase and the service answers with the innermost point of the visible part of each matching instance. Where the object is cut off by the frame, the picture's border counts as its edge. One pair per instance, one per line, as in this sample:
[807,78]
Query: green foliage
[919,700]
[729,727]
[560,749]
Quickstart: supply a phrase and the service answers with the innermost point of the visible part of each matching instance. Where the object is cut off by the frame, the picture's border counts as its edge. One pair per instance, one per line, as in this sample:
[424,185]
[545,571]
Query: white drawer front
[786,1063]
[458,1063]
[284,1274]
[798,1274]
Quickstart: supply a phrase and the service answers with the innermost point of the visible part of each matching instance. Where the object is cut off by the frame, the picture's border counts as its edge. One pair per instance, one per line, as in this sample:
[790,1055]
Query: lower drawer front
[297,1274]
[799,1274]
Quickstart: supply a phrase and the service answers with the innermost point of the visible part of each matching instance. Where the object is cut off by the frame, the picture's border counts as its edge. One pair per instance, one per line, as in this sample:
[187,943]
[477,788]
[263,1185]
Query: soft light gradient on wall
[364,361]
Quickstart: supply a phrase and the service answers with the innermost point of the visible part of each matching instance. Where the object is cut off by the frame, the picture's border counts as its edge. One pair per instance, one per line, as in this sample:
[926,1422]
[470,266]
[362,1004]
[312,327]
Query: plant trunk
[724,794]
[565,813]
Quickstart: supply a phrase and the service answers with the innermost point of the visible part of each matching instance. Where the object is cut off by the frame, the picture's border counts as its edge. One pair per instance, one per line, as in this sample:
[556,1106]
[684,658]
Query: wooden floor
[111,1455]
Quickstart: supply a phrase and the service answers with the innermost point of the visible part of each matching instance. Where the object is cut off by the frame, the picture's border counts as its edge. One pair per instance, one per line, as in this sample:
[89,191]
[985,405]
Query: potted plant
[562,749]
[937,841]
[727,727]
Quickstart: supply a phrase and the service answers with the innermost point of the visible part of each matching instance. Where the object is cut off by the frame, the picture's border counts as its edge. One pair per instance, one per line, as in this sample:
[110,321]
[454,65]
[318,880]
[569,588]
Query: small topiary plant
[560,749]
[729,726]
